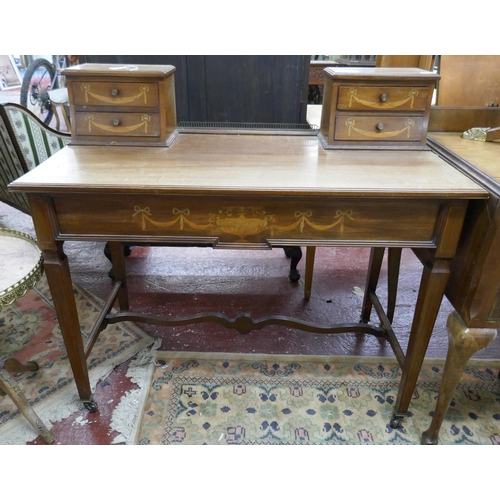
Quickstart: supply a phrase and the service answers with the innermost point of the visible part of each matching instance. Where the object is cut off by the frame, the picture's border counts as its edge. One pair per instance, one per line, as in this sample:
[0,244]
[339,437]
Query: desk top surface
[248,164]
[485,156]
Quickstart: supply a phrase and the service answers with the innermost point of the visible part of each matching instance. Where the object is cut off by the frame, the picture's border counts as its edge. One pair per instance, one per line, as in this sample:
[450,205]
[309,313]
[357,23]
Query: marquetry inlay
[353,96]
[377,134]
[118,128]
[141,93]
[242,221]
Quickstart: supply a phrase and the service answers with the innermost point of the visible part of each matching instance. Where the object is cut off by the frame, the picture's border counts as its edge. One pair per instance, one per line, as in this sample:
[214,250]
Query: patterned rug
[221,399]
[29,330]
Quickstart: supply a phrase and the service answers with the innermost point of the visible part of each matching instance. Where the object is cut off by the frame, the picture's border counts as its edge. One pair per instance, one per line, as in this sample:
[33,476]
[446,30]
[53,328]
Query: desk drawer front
[249,221]
[119,94]
[353,98]
[378,128]
[117,124]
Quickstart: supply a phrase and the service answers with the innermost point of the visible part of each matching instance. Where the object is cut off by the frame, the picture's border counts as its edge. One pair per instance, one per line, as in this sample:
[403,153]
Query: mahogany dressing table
[250,190]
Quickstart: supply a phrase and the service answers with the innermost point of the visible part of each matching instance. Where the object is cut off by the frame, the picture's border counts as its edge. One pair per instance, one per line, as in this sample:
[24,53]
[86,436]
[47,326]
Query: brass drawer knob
[380,126]
[116,122]
[114,92]
[383,97]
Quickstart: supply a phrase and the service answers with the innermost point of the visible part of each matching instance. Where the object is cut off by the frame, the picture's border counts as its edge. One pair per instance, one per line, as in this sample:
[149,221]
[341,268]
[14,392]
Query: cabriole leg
[463,343]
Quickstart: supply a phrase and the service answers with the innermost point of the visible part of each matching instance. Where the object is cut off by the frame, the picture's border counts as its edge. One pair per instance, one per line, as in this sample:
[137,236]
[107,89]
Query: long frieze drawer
[244,221]
[117,94]
[117,124]
[378,128]
[383,98]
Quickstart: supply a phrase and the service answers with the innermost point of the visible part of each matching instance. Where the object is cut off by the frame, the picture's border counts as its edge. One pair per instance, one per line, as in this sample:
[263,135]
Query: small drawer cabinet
[116,104]
[376,108]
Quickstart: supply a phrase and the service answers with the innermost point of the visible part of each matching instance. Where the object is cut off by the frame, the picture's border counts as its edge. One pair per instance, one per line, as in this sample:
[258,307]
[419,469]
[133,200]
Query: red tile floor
[189,280]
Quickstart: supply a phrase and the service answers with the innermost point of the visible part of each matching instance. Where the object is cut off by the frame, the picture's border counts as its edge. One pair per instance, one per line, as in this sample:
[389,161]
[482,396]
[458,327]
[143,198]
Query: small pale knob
[116,122]
[383,97]
[114,92]
[380,126]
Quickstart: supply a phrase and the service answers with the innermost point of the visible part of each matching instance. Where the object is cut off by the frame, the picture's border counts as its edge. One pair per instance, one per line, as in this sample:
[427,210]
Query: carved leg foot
[127,250]
[295,254]
[463,343]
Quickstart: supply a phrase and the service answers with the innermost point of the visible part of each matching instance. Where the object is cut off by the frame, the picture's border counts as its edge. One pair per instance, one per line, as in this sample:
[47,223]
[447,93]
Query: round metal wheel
[37,82]
[396,422]
[91,406]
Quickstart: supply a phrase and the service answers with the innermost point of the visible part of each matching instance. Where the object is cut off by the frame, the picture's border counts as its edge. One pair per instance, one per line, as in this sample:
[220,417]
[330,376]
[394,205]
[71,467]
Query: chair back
[25,142]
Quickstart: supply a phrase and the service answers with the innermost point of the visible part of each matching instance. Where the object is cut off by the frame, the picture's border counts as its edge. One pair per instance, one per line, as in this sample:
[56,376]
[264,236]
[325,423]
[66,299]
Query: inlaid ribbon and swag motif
[242,221]
[115,99]
[383,105]
[409,123]
[351,126]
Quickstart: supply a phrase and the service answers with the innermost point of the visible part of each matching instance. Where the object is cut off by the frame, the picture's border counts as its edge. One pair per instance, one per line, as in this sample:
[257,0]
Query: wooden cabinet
[122,104]
[376,108]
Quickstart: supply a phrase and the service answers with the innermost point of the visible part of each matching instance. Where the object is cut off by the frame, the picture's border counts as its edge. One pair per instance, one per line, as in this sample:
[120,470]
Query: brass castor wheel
[91,406]
[396,421]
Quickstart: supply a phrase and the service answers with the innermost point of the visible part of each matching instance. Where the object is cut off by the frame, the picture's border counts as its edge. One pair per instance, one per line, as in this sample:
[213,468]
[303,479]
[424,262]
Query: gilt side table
[21,266]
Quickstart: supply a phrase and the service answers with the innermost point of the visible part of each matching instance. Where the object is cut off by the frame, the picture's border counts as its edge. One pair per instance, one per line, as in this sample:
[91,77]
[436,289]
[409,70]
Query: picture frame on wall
[9,74]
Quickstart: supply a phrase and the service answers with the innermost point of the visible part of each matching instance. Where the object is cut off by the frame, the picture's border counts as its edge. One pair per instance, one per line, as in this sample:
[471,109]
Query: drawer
[148,217]
[381,98]
[378,128]
[117,124]
[116,93]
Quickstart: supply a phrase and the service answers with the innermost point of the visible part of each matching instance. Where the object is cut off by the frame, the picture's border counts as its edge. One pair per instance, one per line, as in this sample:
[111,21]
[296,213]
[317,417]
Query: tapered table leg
[434,278]
[120,273]
[310,254]
[376,257]
[393,265]
[59,279]
[61,288]
[463,343]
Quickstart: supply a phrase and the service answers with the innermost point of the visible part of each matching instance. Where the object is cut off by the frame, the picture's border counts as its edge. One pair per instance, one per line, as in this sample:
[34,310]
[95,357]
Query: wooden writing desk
[239,191]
